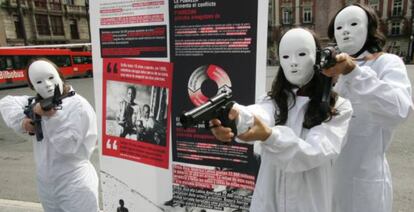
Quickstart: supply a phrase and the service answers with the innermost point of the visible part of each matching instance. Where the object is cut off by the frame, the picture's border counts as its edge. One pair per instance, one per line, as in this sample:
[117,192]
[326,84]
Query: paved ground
[19,206]
[17,183]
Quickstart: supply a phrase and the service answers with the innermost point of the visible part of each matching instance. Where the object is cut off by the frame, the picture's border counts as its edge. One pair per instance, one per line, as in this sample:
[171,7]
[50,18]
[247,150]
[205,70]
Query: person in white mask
[66,179]
[298,140]
[379,89]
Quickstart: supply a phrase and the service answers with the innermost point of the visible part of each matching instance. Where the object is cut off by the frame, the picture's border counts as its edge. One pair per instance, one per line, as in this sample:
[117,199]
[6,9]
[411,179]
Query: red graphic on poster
[200,75]
[137,106]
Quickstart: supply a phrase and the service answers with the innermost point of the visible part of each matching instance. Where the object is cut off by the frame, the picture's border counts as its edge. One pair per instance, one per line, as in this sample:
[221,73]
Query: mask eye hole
[339,28]
[354,24]
[38,82]
[302,54]
[285,56]
[51,77]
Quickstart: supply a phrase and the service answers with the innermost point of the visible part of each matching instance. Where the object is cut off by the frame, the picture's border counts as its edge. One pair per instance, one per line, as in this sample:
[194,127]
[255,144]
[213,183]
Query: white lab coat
[296,167]
[66,179]
[380,93]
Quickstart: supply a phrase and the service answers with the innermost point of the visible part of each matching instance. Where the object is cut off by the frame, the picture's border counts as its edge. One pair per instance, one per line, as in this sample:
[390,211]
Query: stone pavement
[19,206]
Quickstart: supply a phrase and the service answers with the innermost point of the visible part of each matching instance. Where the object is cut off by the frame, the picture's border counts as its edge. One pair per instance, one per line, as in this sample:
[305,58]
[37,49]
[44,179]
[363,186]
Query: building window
[395,29]
[307,15]
[270,13]
[397,8]
[18,26]
[57,25]
[374,4]
[70,2]
[74,33]
[42,24]
[6,63]
[55,5]
[287,16]
[40,3]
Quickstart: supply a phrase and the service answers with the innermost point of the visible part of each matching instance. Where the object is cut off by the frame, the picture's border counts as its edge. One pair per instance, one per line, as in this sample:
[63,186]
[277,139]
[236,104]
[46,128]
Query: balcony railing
[40,4]
[13,3]
[55,6]
[75,9]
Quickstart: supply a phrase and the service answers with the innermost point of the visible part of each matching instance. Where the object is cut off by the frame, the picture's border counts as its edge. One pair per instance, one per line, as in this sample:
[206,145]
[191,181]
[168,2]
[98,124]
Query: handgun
[326,58]
[218,107]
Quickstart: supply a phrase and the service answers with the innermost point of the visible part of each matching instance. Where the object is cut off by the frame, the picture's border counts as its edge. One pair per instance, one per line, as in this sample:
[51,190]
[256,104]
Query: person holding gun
[299,141]
[378,87]
[129,112]
[66,179]
[145,128]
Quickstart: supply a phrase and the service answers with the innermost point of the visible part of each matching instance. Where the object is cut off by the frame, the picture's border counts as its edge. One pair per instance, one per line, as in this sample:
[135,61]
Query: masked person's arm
[323,142]
[11,109]
[386,92]
[244,119]
[73,127]
[286,150]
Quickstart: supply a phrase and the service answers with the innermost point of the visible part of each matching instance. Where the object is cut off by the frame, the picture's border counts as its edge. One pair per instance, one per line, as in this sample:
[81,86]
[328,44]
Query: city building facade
[37,22]
[396,21]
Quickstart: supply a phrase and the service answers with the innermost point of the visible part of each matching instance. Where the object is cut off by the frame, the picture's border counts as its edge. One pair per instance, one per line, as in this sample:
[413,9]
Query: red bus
[13,61]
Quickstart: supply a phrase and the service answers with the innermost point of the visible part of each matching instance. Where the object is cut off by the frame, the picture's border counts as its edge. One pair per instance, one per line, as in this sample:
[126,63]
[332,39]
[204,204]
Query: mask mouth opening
[294,71]
[346,38]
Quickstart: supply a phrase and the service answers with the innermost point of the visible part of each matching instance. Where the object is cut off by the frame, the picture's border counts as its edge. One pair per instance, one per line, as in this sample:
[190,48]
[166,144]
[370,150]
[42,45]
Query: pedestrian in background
[129,112]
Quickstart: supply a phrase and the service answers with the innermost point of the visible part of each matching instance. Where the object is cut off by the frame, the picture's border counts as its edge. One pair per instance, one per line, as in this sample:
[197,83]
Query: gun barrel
[205,111]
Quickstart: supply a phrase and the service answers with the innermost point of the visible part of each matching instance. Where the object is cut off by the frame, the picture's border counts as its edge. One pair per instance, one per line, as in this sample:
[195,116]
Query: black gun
[326,58]
[217,107]
[54,102]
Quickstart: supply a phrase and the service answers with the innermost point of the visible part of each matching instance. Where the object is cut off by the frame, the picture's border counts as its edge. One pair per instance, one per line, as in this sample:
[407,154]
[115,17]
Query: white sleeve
[72,127]
[264,110]
[11,109]
[245,120]
[289,152]
[388,96]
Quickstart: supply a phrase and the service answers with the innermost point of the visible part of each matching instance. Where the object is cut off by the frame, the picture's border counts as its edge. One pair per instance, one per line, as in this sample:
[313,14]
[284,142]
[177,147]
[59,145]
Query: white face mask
[351,29]
[297,55]
[44,77]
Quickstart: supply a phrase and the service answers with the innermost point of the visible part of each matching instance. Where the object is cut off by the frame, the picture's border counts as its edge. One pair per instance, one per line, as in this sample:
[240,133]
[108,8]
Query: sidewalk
[19,206]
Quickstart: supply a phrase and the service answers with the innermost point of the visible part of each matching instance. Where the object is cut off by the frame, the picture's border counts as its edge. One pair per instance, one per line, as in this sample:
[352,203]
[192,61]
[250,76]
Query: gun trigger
[206,125]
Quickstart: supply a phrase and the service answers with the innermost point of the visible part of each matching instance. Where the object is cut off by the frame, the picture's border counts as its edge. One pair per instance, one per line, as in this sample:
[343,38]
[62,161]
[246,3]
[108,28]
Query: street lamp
[410,47]
[21,21]
[410,50]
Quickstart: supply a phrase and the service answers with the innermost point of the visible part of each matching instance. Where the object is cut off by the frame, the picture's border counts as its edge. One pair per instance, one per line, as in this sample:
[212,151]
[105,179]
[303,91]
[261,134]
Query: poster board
[134,44]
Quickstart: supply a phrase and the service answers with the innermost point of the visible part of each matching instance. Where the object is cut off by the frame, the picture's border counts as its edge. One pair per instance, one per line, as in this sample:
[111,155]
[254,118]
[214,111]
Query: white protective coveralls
[296,168]
[380,93]
[66,179]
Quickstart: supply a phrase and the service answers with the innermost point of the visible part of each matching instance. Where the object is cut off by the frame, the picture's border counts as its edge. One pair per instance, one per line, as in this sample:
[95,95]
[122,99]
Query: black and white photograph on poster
[136,112]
